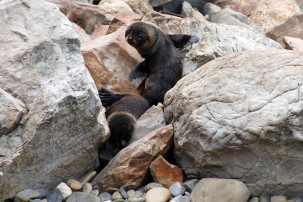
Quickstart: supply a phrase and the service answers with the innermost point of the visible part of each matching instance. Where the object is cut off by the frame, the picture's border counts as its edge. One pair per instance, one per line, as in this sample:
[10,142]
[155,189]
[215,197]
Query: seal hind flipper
[139,70]
[108,98]
[183,40]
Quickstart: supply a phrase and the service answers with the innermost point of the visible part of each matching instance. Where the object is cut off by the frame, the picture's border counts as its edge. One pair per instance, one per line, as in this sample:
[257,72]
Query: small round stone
[296,199]
[177,189]
[116,195]
[65,190]
[180,199]
[87,188]
[131,193]
[81,197]
[123,193]
[28,194]
[105,196]
[158,194]
[95,192]
[190,184]
[35,200]
[119,200]
[89,177]
[74,184]
[152,185]
[277,198]
[136,198]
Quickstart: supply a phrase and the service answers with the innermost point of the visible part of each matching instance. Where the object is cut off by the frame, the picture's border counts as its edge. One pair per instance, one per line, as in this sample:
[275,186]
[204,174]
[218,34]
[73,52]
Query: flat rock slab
[241,119]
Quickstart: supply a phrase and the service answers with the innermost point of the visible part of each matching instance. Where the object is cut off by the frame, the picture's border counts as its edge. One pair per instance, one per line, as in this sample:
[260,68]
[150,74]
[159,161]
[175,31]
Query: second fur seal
[162,65]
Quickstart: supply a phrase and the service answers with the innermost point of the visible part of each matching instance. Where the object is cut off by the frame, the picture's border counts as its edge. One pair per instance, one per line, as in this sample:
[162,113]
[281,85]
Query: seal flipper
[183,40]
[139,70]
[108,98]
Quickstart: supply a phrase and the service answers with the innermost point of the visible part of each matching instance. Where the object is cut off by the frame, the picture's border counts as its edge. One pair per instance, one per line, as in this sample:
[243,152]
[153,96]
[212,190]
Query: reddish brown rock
[129,167]
[293,43]
[164,172]
[123,19]
[265,13]
[99,30]
[109,59]
[293,27]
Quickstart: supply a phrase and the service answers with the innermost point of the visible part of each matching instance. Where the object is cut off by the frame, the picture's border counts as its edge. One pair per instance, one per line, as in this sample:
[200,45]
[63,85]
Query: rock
[34,200]
[74,184]
[293,43]
[65,123]
[152,185]
[296,199]
[65,190]
[164,172]
[87,188]
[292,28]
[136,158]
[177,189]
[157,3]
[123,193]
[151,120]
[254,199]
[265,13]
[158,194]
[81,197]
[140,7]
[190,184]
[64,5]
[240,119]
[189,11]
[83,36]
[95,192]
[180,199]
[300,3]
[229,17]
[11,112]
[223,190]
[109,69]
[43,193]
[28,194]
[54,195]
[104,196]
[277,198]
[264,197]
[116,195]
[131,193]
[216,40]
[136,199]
[86,15]
[89,177]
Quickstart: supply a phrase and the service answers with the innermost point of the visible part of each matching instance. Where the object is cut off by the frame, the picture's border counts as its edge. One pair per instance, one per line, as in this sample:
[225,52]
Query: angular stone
[54,195]
[189,11]
[109,69]
[65,190]
[65,123]
[223,190]
[164,172]
[158,194]
[81,197]
[83,36]
[293,43]
[241,119]
[291,28]
[64,5]
[216,40]
[28,194]
[151,120]
[116,195]
[190,184]
[129,167]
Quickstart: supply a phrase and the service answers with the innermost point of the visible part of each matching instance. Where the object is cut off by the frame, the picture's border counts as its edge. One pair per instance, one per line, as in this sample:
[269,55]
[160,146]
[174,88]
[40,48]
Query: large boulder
[216,40]
[240,117]
[54,121]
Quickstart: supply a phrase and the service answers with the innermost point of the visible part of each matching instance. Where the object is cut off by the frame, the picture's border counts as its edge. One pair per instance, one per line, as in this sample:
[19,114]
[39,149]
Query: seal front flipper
[183,40]
[108,98]
[140,70]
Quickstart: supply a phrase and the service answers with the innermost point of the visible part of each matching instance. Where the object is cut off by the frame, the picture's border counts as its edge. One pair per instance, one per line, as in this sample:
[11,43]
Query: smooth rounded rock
[277,198]
[87,188]
[190,184]
[89,177]
[116,195]
[65,190]
[35,200]
[131,193]
[152,185]
[136,198]
[158,194]
[105,196]
[254,199]
[28,194]
[177,189]
[74,184]
[81,197]
[119,200]
[95,192]
[180,199]
[123,193]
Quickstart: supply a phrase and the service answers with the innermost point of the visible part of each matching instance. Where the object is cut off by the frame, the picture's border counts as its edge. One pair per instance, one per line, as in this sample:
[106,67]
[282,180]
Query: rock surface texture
[53,115]
[240,117]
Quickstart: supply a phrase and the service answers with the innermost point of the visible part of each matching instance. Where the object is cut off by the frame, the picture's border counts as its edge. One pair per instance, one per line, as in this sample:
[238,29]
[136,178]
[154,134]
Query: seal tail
[107,97]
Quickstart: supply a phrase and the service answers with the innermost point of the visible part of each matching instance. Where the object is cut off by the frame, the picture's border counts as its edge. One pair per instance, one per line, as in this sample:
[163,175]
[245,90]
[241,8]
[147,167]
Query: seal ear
[108,98]
[183,40]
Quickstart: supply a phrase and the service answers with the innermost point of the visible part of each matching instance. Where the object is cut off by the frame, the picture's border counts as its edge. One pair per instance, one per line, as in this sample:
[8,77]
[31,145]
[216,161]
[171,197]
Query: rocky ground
[230,130]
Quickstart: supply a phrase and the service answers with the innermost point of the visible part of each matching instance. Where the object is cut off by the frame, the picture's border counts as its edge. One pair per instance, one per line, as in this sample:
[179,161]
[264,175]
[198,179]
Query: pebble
[35,200]
[119,200]
[136,198]
[180,199]
[89,177]
[254,199]
[123,193]
[152,185]
[116,195]
[74,184]
[177,189]
[264,197]
[131,193]
[87,188]
[95,192]
[105,196]
[190,184]
[296,199]
[277,198]
[28,194]
[65,190]
[43,193]
[158,194]
[54,196]
[81,197]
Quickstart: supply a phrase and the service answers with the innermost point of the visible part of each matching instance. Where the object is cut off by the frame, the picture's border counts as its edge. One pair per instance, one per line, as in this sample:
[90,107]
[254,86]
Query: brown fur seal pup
[162,65]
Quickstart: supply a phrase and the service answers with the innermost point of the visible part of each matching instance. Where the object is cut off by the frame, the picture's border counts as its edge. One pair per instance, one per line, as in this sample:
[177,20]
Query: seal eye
[140,37]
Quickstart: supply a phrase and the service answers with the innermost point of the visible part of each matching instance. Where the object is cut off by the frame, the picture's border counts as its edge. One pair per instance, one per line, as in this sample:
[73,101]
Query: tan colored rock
[293,43]
[293,27]
[223,190]
[74,184]
[109,59]
[124,18]
[164,172]
[99,30]
[130,166]
[158,194]
[277,198]
[140,7]
[265,13]
[83,36]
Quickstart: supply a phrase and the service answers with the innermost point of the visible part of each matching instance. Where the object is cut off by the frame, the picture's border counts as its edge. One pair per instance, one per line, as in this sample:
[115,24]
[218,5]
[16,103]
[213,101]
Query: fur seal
[162,66]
